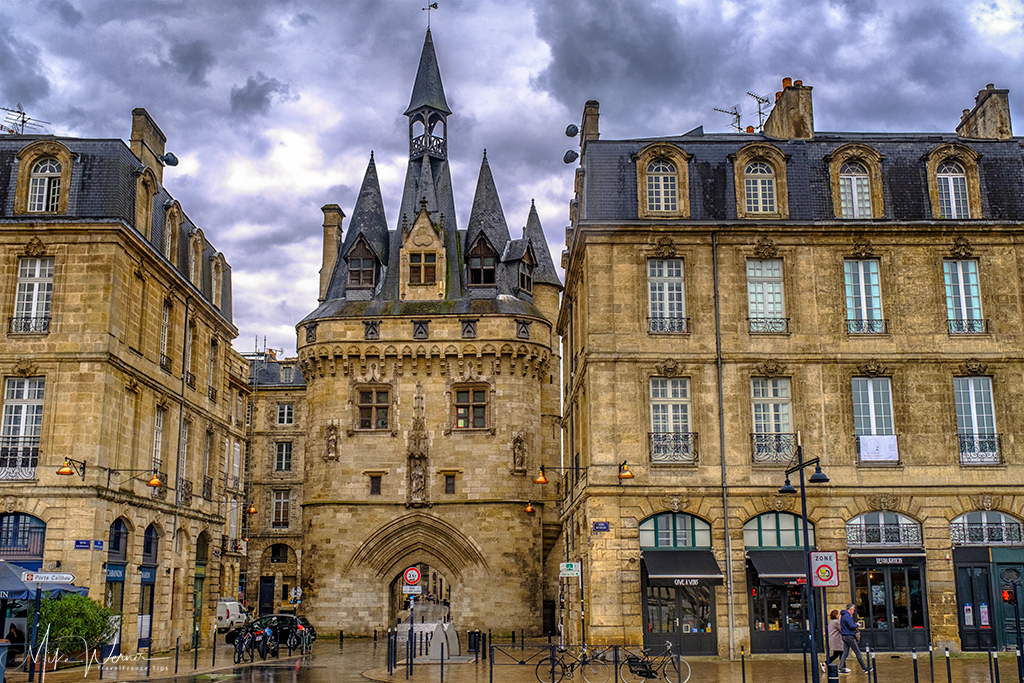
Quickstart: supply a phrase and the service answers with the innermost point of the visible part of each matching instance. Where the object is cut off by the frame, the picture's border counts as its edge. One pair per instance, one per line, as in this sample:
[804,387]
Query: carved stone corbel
[766,248]
[771,368]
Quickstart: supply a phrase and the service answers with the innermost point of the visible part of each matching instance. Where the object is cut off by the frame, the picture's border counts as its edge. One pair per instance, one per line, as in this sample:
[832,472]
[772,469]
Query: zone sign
[825,569]
[412,576]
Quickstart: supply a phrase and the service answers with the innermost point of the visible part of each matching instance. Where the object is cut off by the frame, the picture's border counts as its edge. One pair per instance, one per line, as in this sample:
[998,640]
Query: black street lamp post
[817,478]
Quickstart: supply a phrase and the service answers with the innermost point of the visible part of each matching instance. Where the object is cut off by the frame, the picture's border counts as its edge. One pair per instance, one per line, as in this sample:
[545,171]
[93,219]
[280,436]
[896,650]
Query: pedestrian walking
[834,638]
[849,630]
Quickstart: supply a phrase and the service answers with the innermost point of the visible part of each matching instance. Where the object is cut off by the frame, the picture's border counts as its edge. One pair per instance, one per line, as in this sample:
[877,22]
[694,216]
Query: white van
[229,614]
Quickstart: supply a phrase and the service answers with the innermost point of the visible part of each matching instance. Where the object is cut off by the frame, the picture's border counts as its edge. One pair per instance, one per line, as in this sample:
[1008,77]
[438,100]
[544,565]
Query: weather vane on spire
[427,9]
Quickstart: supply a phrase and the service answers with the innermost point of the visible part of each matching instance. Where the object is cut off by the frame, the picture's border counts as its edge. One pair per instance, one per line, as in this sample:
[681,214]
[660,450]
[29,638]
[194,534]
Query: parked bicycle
[565,665]
[643,667]
[245,644]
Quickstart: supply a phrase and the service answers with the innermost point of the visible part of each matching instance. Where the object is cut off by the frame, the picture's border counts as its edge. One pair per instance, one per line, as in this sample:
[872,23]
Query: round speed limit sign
[412,576]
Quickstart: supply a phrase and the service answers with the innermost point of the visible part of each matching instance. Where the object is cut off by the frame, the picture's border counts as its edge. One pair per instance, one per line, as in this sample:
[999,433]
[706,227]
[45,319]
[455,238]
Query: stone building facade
[116,362]
[730,296]
[430,371]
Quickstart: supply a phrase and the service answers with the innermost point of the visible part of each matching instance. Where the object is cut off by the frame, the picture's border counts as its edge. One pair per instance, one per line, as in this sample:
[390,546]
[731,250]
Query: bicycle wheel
[307,644]
[262,647]
[275,647]
[671,671]
[595,670]
[239,649]
[293,642]
[250,649]
[547,674]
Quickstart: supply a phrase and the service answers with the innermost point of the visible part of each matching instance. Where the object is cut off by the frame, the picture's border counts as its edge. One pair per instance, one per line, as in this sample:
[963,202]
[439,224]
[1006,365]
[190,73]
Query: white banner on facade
[879,447]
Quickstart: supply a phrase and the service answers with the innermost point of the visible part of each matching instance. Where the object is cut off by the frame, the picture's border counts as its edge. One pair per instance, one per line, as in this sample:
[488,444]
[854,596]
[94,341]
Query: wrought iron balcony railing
[773,448]
[22,543]
[207,488]
[904,535]
[876,326]
[673,447]
[669,325]
[39,325]
[19,456]
[212,393]
[768,325]
[980,449]
[165,363]
[190,380]
[986,533]
[970,326]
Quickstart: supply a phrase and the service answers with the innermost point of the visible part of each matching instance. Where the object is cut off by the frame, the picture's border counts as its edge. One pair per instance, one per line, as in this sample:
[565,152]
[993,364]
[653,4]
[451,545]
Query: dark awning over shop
[778,567]
[681,567]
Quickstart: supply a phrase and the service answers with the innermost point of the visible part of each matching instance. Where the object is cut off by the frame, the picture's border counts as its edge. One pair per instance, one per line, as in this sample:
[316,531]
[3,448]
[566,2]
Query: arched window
[952,181]
[759,183]
[202,548]
[776,530]
[854,190]
[21,537]
[986,527]
[361,266]
[883,528]
[481,263]
[150,545]
[44,186]
[117,543]
[279,553]
[662,192]
[675,530]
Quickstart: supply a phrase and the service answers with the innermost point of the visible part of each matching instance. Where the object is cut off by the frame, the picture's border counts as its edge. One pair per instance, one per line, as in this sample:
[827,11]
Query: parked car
[285,627]
[230,614]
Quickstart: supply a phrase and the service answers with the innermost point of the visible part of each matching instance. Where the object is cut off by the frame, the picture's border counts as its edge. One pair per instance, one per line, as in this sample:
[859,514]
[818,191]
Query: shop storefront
[778,599]
[678,575]
[117,559]
[147,580]
[988,549]
[889,592]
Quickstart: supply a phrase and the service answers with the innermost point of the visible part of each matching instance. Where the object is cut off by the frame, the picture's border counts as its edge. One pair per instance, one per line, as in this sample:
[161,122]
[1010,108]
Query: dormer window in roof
[44,187]
[481,264]
[422,267]
[525,276]
[854,190]
[760,176]
[362,267]
[759,183]
[954,187]
[44,178]
[952,182]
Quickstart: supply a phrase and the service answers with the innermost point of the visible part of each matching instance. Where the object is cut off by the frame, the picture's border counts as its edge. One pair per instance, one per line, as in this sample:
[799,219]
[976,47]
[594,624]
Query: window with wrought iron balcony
[19,456]
[986,527]
[883,529]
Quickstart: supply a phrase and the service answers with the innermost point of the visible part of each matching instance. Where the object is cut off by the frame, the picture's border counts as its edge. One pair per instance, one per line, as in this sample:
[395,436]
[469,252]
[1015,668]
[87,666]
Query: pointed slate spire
[426,187]
[428,90]
[486,216]
[544,272]
[368,217]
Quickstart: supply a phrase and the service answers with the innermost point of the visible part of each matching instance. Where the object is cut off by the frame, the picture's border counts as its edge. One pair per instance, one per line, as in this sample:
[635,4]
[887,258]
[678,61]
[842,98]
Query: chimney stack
[990,118]
[333,216]
[792,118]
[147,141]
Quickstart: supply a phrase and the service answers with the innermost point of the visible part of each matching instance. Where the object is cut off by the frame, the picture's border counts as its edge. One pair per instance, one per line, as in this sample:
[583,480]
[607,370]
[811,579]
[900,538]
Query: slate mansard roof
[610,189]
[103,190]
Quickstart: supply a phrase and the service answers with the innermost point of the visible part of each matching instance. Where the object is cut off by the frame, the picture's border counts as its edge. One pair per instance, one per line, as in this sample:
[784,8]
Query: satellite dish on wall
[571,156]
[572,130]
[169,159]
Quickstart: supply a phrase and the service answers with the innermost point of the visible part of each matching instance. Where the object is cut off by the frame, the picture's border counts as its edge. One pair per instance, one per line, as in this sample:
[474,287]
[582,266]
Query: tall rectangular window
[667,309]
[158,438]
[22,426]
[281,503]
[236,466]
[189,336]
[285,413]
[766,306]
[773,438]
[283,456]
[470,408]
[35,293]
[207,449]
[449,483]
[671,440]
[863,297]
[233,519]
[976,420]
[963,297]
[165,334]
[854,190]
[872,419]
[373,408]
[375,484]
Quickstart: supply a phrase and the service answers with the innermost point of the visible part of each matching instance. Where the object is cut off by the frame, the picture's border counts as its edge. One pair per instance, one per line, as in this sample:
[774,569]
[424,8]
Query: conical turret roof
[428,90]
[368,217]
[487,216]
[544,272]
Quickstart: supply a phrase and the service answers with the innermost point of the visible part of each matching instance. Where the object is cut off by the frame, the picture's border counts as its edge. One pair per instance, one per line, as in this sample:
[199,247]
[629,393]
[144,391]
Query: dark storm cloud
[21,72]
[255,96]
[67,12]
[193,60]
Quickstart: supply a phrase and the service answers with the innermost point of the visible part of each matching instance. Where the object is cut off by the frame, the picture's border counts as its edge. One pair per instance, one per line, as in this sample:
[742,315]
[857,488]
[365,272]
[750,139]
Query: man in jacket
[849,629]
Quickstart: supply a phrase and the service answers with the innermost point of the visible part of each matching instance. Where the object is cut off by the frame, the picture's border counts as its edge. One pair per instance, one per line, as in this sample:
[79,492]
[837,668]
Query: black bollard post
[195,655]
[949,673]
[805,662]
[375,635]
[522,640]
[213,662]
[513,636]
[913,651]
[341,637]
[442,662]
[991,676]
[874,667]
[177,651]
[743,664]
[995,663]
[149,657]
[931,662]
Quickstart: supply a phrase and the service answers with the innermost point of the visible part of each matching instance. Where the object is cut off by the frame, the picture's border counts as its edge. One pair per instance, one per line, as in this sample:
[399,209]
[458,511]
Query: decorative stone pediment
[766,248]
[770,368]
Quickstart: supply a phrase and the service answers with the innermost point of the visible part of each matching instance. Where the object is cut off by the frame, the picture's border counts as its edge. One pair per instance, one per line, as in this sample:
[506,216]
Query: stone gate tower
[432,376]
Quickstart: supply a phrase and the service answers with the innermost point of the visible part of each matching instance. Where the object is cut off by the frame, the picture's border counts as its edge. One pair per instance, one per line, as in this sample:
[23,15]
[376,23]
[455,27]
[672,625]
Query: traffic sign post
[825,569]
[52,577]
[412,576]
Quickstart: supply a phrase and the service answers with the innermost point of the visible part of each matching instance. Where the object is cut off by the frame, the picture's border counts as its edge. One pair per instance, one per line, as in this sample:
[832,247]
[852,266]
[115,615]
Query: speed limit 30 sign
[825,569]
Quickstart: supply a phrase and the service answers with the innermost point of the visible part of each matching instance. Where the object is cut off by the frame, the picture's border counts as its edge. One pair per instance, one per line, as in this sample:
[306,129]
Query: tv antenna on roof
[735,114]
[17,121]
[761,113]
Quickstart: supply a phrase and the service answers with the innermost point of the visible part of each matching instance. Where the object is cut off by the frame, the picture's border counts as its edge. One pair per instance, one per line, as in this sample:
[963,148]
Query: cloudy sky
[273,106]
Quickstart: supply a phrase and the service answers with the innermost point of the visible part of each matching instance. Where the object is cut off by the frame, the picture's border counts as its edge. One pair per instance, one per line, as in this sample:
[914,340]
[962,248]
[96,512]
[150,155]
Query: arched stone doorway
[432,604]
[279,574]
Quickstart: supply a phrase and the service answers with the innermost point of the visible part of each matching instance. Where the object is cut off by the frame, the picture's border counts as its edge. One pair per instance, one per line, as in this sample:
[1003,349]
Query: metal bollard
[931,662]
[522,640]
[995,663]
[743,664]
[874,667]
[913,651]
[149,659]
[805,662]
[991,675]
[375,635]
[195,657]
[949,673]
[213,661]
[513,636]
[341,637]
[833,673]
[177,650]
[442,662]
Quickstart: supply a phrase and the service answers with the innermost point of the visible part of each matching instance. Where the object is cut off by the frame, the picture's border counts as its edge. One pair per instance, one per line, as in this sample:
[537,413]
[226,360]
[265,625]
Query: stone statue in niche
[518,454]
[418,480]
[418,447]
[332,443]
